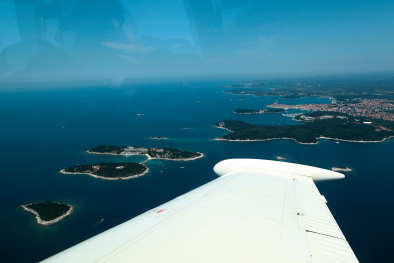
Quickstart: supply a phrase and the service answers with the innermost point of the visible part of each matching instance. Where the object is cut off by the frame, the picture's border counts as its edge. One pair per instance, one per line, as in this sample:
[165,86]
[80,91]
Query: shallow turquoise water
[44,131]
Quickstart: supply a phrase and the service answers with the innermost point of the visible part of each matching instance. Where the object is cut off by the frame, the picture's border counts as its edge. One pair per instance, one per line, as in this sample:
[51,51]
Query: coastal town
[373,108]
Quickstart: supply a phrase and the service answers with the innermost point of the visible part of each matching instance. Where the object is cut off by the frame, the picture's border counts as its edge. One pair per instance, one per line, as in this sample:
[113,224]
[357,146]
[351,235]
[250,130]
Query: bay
[46,130]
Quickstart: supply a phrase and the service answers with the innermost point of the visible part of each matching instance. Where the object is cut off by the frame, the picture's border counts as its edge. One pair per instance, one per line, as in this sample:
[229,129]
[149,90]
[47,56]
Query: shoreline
[88,151]
[258,112]
[285,138]
[111,178]
[41,222]
[149,158]
[327,138]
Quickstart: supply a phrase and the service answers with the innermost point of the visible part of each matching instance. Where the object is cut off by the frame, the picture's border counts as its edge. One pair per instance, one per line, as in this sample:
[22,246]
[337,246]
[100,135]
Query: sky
[54,40]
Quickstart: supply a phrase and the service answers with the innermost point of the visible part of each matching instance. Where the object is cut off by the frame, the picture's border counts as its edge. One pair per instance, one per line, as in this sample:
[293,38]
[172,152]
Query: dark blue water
[43,131]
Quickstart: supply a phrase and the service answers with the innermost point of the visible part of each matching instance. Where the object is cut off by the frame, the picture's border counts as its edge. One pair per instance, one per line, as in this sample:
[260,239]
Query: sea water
[45,130]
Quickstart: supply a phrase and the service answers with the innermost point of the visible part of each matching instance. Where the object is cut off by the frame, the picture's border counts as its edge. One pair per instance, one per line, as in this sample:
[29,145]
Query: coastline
[102,153]
[285,138]
[270,139]
[149,158]
[263,140]
[259,112]
[111,178]
[41,222]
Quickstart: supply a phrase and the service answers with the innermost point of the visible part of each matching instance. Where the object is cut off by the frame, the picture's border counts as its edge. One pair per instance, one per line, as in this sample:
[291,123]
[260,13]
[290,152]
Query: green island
[173,154]
[253,111]
[48,213]
[247,111]
[274,111]
[109,171]
[107,149]
[341,169]
[151,153]
[306,133]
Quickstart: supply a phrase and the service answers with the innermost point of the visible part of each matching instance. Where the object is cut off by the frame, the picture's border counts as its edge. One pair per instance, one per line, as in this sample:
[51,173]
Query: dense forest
[108,149]
[246,111]
[304,133]
[109,169]
[274,111]
[48,210]
[172,153]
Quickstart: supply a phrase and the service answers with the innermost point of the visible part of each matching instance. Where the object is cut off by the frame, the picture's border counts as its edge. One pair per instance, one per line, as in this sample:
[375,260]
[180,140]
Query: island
[173,154]
[280,158]
[158,138]
[274,111]
[247,111]
[341,169]
[152,153]
[109,171]
[306,133]
[253,111]
[48,213]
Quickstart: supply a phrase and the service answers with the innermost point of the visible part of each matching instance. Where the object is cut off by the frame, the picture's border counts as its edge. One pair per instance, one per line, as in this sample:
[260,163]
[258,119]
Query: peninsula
[109,171]
[253,111]
[306,133]
[152,153]
[341,169]
[48,213]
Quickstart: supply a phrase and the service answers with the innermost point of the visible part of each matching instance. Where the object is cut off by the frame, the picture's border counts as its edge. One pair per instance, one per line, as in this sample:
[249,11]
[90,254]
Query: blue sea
[44,130]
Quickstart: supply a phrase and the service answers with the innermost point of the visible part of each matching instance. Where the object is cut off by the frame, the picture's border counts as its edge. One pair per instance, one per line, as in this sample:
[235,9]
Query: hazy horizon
[74,40]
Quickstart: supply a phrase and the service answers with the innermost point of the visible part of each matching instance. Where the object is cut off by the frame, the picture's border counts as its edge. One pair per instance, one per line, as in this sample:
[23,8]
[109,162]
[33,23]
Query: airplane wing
[256,211]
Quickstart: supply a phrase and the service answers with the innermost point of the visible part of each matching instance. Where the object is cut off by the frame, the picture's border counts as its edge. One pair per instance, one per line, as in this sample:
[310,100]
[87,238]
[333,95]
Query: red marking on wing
[161,210]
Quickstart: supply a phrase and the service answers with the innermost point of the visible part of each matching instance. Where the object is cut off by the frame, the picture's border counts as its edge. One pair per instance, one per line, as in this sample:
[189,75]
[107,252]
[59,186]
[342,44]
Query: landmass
[360,96]
[274,111]
[109,171]
[48,213]
[253,111]
[341,169]
[173,154]
[152,153]
[159,138]
[247,111]
[306,133]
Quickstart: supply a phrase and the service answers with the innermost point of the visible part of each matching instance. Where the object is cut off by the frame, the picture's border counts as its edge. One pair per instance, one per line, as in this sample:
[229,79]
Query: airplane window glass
[144,83]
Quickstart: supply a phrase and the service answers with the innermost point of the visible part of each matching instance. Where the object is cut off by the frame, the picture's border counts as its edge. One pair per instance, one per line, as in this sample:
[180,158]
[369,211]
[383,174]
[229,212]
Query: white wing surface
[257,211]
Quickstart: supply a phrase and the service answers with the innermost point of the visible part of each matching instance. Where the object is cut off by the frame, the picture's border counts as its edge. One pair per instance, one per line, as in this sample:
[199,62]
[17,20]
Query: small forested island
[173,154]
[253,111]
[306,133]
[152,153]
[48,213]
[109,171]
[341,169]
[274,111]
[105,149]
[247,111]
